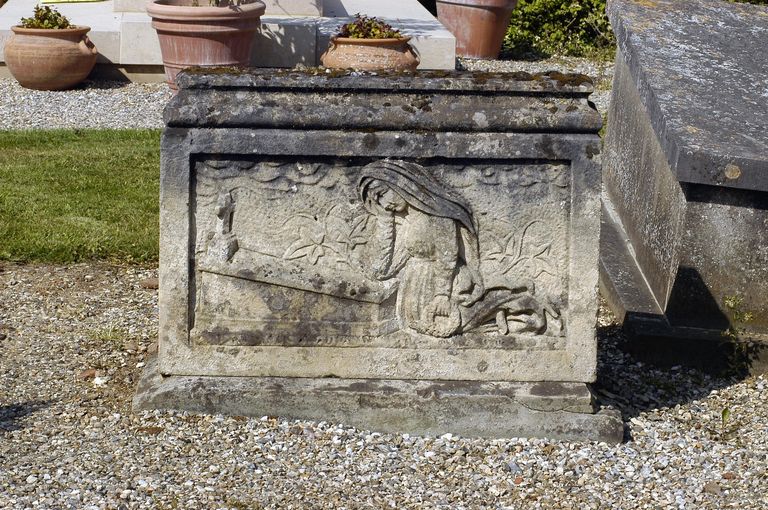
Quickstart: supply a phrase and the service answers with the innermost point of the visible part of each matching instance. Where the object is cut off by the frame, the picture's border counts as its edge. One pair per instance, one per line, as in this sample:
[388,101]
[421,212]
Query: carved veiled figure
[427,238]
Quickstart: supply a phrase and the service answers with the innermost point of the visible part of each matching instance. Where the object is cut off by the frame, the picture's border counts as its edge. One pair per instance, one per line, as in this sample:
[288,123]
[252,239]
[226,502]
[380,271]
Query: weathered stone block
[397,229]
[685,170]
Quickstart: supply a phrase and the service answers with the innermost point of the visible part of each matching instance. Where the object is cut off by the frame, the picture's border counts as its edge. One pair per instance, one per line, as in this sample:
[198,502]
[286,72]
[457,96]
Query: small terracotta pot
[370,54]
[203,36]
[48,58]
[478,25]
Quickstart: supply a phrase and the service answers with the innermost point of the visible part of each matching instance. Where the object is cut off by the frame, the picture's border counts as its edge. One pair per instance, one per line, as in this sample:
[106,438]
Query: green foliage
[726,416]
[579,28]
[365,27]
[73,195]
[542,28]
[733,305]
[729,428]
[46,17]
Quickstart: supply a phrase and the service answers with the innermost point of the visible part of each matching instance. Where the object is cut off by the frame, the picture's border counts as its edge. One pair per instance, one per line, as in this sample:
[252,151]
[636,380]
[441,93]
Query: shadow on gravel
[102,85]
[633,387]
[11,414]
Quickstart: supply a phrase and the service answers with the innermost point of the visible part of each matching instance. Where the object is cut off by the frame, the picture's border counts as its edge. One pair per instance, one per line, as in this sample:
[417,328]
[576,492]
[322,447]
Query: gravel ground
[139,105]
[74,339]
[105,105]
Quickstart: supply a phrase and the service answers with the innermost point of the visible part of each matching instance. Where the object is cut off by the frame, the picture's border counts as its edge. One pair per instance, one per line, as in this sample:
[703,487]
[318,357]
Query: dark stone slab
[700,70]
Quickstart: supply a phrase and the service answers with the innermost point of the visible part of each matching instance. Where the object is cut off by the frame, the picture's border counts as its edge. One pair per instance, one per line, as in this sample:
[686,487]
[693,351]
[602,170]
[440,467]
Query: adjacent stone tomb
[402,253]
[685,244]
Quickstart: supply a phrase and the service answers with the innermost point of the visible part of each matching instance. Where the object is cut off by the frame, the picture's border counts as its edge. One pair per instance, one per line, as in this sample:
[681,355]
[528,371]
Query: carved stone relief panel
[382,253]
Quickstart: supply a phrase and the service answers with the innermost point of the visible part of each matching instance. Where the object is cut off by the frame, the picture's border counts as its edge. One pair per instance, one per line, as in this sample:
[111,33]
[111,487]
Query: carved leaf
[315,235]
[315,254]
[298,249]
[357,235]
[541,261]
[494,250]
[310,239]
[540,250]
[524,252]
[513,263]
[513,248]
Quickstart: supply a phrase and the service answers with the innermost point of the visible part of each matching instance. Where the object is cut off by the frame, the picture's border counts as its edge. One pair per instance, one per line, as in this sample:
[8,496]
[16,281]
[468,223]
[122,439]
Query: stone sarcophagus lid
[411,253]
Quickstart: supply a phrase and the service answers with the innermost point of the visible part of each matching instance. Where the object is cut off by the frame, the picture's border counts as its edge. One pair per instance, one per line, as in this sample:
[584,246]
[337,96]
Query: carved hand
[440,306]
[478,289]
[378,210]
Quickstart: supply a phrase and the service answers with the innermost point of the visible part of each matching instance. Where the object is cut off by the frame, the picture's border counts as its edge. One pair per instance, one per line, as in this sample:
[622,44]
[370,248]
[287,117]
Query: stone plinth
[686,169]
[397,252]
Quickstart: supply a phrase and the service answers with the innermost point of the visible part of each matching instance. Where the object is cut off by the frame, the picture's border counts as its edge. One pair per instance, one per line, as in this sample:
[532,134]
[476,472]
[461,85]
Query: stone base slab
[470,409]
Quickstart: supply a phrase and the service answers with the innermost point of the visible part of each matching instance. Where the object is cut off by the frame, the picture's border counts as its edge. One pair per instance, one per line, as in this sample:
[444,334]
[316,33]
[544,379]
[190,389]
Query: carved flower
[330,235]
[352,235]
[309,244]
[526,253]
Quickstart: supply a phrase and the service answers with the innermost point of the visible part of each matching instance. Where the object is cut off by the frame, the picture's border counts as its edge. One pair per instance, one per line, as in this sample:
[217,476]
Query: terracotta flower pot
[478,25]
[203,36]
[370,54]
[50,59]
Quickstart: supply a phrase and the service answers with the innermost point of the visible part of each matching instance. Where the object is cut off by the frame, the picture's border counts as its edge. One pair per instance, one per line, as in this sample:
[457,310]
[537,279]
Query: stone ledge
[701,84]
[498,409]
[622,282]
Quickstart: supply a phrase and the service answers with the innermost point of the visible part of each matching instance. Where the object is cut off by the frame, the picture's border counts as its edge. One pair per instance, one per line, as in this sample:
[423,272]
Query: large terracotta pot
[370,54]
[50,59]
[478,25]
[203,36]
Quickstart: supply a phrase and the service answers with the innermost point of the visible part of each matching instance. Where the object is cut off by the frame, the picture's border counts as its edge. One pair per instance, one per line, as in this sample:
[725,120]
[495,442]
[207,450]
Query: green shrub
[542,28]
[579,28]
[46,17]
[364,27]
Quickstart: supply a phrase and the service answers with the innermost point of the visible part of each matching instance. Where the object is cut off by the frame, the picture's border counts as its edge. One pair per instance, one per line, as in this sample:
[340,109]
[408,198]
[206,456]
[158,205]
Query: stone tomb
[684,255]
[405,253]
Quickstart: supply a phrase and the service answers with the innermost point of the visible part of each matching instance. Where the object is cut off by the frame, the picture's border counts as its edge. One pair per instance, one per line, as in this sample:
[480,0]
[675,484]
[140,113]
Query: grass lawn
[73,195]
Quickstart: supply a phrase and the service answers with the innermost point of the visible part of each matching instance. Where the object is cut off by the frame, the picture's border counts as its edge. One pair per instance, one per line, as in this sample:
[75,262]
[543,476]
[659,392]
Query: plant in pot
[478,25]
[204,32]
[369,44]
[47,52]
